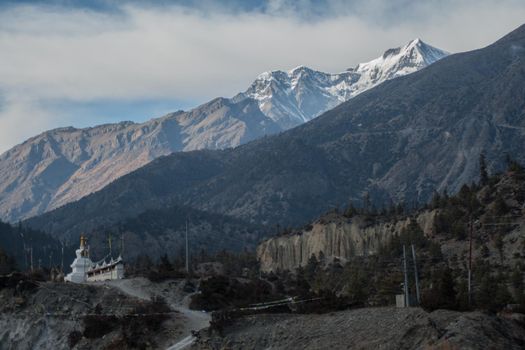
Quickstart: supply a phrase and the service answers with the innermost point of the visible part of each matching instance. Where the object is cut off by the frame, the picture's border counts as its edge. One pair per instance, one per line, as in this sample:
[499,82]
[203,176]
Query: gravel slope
[371,328]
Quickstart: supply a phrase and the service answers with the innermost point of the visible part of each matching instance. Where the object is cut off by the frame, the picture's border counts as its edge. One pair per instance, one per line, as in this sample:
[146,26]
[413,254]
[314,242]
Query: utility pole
[25,256]
[187,250]
[109,243]
[407,295]
[416,275]
[62,259]
[470,263]
[121,245]
[31,258]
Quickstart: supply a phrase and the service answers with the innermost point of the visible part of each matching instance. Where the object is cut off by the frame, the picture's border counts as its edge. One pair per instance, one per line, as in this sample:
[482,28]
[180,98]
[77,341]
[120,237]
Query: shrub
[73,338]
[442,293]
[96,326]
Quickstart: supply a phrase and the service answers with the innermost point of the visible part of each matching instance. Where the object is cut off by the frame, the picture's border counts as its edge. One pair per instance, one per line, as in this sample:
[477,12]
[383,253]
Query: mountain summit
[63,165]
[301,94]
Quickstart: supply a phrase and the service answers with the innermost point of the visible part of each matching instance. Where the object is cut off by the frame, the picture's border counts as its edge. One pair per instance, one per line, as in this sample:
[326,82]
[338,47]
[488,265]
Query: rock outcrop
[336,238]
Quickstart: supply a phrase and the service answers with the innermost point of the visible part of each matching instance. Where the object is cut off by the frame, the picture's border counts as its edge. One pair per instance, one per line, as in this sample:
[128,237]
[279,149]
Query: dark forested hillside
[17,242]
[400,141]
[162,232]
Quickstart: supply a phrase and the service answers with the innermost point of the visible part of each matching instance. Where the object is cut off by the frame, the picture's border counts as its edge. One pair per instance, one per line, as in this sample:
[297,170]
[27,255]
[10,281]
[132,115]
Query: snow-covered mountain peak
[299,69]
[401,60]
[295,96]
[427,53]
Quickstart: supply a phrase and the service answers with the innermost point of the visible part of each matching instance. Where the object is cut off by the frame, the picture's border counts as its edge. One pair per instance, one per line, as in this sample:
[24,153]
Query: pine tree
[350,211]
[165,264]
[356,285]
[442,294]
[367,204]
[7,263]
[483,174]
[311,267]
[436,200]
[513,165]
[500,207]
[517,284]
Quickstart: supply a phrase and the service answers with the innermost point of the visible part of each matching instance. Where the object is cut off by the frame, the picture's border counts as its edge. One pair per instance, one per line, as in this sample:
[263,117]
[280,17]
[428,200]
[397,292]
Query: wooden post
[470,264]
[187,250]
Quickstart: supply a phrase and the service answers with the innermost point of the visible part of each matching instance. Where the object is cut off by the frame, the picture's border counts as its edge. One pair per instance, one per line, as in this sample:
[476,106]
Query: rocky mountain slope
[63,165]
[401,140]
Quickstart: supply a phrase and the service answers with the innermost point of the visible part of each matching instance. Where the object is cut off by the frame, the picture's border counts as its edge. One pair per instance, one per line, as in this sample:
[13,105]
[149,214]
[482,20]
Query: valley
[380,207]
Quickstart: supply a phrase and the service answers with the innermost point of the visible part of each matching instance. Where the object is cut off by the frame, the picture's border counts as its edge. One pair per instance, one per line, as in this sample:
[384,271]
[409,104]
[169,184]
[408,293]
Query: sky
[83,63]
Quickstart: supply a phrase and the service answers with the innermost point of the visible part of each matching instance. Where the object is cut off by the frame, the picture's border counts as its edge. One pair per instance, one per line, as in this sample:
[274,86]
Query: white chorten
[81,265]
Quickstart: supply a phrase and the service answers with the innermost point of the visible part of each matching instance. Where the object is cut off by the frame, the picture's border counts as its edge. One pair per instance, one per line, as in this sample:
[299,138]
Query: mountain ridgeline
[399,141]
[63,165]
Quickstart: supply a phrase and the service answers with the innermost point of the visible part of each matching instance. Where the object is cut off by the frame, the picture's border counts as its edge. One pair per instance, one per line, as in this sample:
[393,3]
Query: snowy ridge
[298,95]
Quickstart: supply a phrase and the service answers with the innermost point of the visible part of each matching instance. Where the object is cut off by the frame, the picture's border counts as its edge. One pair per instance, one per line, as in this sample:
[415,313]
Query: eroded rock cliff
[336,237]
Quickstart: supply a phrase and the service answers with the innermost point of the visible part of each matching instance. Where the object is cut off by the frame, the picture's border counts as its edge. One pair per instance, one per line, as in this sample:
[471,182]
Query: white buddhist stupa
[84,270]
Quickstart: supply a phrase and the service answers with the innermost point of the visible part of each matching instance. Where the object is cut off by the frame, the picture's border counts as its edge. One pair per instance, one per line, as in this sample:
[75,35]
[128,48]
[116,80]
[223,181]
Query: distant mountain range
[398,141]
[63,165]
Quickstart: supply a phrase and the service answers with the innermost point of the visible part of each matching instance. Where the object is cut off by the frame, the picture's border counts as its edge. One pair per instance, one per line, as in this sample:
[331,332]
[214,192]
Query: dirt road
[177,299]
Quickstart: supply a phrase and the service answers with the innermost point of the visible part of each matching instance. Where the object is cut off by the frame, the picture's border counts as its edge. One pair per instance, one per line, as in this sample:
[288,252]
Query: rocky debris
[370,328]
[53,315]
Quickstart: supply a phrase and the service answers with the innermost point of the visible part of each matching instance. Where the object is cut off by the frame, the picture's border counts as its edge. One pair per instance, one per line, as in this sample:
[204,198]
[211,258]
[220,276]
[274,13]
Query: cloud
[81,55]
[21,118]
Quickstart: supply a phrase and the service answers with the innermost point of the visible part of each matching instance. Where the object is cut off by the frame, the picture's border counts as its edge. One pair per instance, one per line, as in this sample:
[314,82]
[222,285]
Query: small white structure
[114,270]
[81,264]
[84,270]
[400,300]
